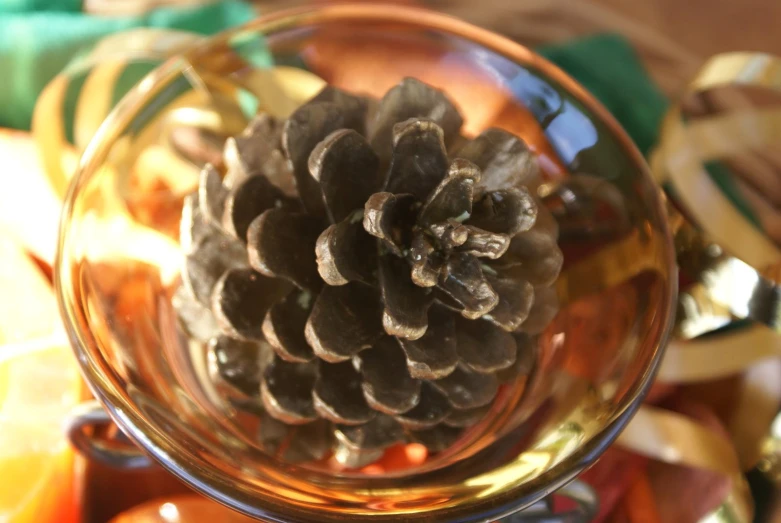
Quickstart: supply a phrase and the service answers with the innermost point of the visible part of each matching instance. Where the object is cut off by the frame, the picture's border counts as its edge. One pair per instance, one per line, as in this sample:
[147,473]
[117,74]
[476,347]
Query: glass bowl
[119,260]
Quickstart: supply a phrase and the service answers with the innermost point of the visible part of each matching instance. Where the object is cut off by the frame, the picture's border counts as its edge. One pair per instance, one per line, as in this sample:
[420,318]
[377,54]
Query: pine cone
[367,289]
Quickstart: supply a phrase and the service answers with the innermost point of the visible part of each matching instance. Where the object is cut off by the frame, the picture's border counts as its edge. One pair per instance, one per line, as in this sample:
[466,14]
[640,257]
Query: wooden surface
[709,26]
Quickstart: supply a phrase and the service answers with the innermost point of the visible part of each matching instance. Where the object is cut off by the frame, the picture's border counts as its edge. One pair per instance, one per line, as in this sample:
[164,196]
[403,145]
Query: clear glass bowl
[119,262]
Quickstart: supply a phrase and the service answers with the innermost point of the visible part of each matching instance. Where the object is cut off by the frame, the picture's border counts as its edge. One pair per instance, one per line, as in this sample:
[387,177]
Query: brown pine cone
[365,287]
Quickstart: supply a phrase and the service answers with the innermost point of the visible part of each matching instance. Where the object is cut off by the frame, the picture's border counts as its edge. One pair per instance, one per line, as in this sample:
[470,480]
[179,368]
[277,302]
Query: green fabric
[39,37]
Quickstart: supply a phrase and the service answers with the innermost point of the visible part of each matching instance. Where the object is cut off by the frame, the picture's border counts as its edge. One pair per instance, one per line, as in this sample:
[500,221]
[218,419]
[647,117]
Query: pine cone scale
[211,194]
[504,160]
[432,408]
[452,197]
[338,396]
[347,171]
[390,217]
[466,389]
[345,252]
[406,305]
[463,280]
[286,391]
[434,355]
[419,162]
[387,384]
[412,99]
[240,300]
[282,244]
[344,321]
[284,324]
[484,347]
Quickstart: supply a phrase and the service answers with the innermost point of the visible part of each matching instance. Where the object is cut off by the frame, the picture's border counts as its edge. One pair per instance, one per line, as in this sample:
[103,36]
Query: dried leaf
[390,217]
[508,211]
[466,389]
[484,244]
[286,391]
[436,439]
[241,299]
[504,159]
[346,252]
[434,355]
[344,321]
[283,326]
[387,385]
[347,170]
[432,408]
[452,197]
[248,201]
[238,362]
[282,244]
[483,346]
[462,278]
[406,304]
[412,99]
[337,394]
[211,194]
[516,298]
[419,161]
